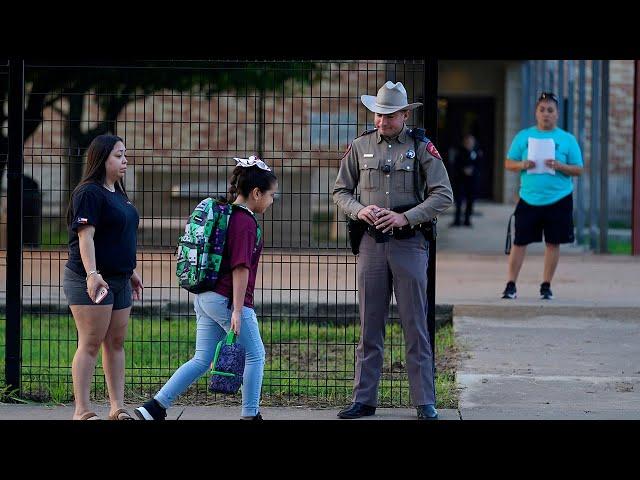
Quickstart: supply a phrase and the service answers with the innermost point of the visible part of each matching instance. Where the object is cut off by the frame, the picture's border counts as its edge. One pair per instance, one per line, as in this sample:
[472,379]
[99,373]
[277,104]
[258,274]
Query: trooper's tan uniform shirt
[362,166]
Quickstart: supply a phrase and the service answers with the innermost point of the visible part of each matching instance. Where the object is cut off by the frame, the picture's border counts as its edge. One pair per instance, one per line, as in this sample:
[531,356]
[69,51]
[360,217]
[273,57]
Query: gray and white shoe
[151,410]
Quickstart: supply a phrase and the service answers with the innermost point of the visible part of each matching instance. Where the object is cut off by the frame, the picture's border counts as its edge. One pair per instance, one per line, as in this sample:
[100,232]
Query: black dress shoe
[427,412]
[357,410]
[257,417]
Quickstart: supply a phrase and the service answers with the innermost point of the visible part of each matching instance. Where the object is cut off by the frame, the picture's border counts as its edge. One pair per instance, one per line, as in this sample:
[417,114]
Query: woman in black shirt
[100,280]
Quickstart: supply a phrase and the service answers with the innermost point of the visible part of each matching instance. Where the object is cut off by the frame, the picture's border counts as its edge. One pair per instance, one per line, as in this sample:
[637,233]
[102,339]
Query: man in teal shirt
[546,200]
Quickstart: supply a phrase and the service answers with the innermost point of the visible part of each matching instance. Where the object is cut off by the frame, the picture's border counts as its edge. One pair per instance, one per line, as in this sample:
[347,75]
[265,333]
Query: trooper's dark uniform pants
[399,266]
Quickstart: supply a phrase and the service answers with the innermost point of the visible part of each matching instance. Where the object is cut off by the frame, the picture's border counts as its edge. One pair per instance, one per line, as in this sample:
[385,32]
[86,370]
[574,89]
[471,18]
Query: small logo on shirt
[82,220]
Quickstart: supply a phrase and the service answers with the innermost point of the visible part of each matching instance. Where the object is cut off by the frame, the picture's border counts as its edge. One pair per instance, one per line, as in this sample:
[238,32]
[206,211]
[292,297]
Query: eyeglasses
[250,162]
[548,96]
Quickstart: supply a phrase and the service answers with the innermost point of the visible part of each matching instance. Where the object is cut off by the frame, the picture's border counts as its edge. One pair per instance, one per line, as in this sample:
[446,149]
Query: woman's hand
[94,283]
[554,164]
[528,164]
[236,321]
[136,286]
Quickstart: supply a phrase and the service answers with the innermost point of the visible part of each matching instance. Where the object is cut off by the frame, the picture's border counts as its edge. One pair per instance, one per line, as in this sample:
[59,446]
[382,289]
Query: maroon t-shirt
[239,249]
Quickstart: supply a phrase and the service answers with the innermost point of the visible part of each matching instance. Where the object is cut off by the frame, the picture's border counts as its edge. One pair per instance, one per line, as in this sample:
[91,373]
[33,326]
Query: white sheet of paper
[541,149]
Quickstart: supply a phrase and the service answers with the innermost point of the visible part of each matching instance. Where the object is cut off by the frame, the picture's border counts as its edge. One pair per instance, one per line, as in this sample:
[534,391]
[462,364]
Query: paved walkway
[575,357]
[59,412]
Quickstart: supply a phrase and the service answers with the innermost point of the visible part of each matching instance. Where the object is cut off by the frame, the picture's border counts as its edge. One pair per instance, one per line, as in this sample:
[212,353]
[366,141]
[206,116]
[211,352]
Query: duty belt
[400,233]
[428,229]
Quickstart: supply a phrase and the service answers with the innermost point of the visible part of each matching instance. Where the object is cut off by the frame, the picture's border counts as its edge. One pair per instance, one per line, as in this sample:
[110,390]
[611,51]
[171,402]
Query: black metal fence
[4,86]
[182,123]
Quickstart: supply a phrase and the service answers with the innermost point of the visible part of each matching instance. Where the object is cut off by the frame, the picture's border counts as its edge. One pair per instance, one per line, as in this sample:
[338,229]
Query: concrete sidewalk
[65,412]
[472,269]
[548,363]
[575,357]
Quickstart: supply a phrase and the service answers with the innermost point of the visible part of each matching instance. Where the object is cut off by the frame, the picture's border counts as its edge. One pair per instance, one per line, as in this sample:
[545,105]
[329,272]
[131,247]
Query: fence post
[635,209]
[580,198]
[594,167]
[14,222]
[430,119]
[604,160]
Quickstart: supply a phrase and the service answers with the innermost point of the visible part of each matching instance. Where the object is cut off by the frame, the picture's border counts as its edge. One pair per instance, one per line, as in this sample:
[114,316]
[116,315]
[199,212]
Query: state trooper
[393,166]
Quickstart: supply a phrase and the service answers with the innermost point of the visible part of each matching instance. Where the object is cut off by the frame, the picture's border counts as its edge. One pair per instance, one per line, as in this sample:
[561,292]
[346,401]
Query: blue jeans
[213,320]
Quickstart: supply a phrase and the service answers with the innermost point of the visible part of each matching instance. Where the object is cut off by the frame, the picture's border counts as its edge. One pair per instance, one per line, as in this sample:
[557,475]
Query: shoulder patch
[420,134]
[431,148]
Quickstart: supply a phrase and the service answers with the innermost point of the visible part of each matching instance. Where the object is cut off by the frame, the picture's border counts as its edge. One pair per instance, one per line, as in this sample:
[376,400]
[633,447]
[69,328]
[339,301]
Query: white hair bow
[250,162]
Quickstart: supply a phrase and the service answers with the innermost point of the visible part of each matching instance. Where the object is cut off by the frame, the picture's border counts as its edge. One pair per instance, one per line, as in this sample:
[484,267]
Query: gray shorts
[75,289]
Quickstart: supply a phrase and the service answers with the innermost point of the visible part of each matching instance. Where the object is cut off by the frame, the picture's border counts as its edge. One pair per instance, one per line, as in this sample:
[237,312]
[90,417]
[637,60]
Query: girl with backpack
[229,305]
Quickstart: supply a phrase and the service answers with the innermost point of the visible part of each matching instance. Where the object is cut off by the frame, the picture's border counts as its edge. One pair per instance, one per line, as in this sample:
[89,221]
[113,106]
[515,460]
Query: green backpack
[199,250]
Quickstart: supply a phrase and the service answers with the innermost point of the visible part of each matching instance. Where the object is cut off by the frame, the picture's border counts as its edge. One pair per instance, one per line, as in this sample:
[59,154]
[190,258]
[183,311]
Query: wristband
[91,272]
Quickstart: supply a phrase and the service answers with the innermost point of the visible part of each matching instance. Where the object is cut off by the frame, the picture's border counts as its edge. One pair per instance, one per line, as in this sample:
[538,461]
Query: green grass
[306,363]
[614,246]
[8,394]
[619,224]
[619,247]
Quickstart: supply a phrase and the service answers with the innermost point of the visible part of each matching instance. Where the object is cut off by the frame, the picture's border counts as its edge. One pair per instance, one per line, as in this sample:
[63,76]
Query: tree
[117,86]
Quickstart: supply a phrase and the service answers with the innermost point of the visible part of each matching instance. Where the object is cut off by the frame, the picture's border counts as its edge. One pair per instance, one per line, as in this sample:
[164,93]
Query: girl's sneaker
[151,410]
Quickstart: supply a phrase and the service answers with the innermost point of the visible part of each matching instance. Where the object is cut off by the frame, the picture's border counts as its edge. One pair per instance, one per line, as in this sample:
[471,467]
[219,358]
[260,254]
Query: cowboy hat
[391,98]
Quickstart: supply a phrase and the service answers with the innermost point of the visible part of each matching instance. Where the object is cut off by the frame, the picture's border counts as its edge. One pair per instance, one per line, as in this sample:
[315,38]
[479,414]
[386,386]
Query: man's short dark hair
[548,96]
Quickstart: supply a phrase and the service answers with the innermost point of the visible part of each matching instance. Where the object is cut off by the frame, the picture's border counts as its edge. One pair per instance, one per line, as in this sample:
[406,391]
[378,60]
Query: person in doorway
[466,175]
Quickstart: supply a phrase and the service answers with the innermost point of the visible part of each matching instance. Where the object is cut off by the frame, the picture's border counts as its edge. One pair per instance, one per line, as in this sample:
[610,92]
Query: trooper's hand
[370,214]
[389,219]
[527,164]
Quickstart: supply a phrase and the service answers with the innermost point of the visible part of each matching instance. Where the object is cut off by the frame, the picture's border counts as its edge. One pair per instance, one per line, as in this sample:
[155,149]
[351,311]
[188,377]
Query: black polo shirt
[116,222]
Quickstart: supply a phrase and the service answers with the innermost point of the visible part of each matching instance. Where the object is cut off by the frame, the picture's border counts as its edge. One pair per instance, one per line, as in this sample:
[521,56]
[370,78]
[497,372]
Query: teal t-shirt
[544,188]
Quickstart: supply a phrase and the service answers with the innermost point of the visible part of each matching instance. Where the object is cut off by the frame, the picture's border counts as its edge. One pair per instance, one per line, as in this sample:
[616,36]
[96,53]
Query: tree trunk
[73,135]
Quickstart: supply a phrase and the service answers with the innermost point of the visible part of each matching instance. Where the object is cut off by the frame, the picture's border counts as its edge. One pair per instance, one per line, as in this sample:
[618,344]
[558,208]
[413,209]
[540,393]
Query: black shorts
[120,290]
[554,220]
